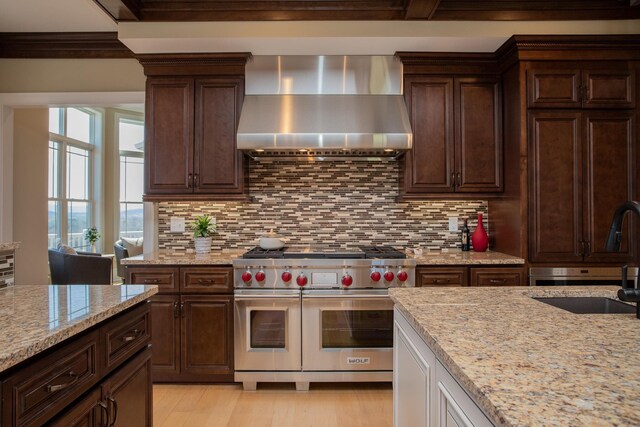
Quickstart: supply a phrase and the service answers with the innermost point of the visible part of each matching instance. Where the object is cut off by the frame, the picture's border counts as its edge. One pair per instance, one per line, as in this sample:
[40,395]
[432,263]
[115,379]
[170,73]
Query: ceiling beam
[63,45]
[421,9]
[121,10]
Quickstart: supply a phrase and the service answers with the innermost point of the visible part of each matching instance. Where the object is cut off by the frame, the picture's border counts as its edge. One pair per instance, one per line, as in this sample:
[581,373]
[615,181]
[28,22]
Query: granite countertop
[10,246]
[34,318]
[175,258]
[525,362]
[449,257]
[458,257]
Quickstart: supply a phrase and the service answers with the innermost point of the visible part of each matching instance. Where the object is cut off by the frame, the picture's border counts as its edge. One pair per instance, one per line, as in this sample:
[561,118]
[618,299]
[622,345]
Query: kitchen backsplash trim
[341,204]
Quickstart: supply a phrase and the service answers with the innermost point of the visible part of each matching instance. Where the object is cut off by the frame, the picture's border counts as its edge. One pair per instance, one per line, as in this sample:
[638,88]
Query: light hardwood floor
[274,405]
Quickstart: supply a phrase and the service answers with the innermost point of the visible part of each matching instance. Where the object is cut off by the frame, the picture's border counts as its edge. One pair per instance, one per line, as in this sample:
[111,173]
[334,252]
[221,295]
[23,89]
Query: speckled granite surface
[457,257]
[11,246]
[34,318]
[452,257]
[527,363]
[175,258]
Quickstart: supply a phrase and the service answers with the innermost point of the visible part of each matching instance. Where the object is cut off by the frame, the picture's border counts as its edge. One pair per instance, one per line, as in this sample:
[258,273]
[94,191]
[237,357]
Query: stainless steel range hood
[324,107]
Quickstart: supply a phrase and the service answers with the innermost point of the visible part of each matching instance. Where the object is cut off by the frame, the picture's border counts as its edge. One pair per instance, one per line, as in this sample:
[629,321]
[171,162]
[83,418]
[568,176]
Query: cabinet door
[609,181]
[429,164]
[127,393]
[478,135]
[608,89]
[553,88]
[441,276]
[165,336]
[207,337]
[218,166]
[85,413]
[169,135]
[412,379]
[555,165]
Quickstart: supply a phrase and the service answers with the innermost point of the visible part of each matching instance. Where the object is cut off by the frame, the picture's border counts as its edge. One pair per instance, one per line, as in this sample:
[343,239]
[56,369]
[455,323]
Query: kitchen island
[75,352]
[520,361]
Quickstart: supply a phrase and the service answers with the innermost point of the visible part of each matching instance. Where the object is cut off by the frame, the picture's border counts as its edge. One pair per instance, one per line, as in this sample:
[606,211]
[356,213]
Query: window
[130,144]
[71,145]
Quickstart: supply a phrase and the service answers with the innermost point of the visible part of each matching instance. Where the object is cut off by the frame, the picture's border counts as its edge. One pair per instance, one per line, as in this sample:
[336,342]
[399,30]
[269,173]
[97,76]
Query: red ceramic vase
[479,238]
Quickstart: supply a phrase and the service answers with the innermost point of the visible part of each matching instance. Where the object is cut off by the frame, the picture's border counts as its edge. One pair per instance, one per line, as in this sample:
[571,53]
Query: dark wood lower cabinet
[123,400]
[470,276]
[192,338]
[165,320]
[99,377]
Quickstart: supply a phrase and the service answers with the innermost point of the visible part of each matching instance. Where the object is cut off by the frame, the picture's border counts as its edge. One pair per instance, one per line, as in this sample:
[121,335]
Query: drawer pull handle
[104,408]
[151,281]
[135,334]
[497,281]
[205,282]
[58,387]
[113,402]
[441,281]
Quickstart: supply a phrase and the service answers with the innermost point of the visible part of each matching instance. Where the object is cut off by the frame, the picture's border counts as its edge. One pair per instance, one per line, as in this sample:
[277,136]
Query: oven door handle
[254,297]
[347,296]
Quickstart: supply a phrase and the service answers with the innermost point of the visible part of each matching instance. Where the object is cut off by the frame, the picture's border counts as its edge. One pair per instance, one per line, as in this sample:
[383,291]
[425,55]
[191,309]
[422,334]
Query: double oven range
[316,314]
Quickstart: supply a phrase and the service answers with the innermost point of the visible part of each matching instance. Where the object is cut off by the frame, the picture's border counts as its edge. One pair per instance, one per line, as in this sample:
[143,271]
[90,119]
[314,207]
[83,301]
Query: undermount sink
[589,305]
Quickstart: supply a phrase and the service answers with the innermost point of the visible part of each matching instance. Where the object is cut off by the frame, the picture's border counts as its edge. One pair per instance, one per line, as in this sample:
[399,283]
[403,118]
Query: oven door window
[357,329]
[268,328]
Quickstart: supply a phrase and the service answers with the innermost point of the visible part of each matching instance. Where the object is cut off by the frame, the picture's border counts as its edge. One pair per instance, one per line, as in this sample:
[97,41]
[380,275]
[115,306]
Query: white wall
[30,136]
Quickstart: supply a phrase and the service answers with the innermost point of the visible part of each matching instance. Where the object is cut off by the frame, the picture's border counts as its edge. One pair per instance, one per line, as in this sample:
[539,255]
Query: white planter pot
[203,245]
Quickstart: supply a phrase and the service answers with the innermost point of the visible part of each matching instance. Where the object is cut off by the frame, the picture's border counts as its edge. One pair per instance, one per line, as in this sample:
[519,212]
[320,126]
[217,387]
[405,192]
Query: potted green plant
[92,235]
[203,227]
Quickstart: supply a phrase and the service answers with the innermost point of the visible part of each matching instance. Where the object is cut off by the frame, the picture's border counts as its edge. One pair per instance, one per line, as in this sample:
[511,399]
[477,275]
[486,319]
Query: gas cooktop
[325,252]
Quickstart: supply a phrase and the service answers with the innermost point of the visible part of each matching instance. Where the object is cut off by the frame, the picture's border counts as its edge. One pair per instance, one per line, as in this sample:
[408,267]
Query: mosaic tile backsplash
[6,268]
[342,204]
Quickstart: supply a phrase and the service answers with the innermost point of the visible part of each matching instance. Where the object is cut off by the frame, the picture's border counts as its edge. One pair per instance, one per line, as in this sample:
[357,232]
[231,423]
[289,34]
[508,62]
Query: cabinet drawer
[38,391]
[206,280]
[167,279]
[435,276]
[496,277]
[126,335]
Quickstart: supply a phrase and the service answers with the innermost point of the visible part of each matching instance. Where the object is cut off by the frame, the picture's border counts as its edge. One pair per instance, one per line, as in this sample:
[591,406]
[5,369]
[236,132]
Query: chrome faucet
[613,244]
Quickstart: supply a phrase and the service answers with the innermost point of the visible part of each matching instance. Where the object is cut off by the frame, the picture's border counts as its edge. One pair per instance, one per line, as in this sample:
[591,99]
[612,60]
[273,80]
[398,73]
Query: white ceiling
[291,37]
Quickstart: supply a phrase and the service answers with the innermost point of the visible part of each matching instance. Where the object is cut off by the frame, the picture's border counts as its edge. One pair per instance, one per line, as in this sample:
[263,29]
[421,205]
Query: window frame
[64,142]
[132,117]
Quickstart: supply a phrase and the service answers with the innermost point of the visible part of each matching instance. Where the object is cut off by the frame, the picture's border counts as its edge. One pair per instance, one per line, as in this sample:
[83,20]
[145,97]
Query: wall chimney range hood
[324,107]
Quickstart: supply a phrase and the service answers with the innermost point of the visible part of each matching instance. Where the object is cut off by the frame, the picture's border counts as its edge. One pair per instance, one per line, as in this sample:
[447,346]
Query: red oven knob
[286,276]
[375,276]
[260,276]
[301,280]
[246,276]
[347,280]
[403,276]
[388,276]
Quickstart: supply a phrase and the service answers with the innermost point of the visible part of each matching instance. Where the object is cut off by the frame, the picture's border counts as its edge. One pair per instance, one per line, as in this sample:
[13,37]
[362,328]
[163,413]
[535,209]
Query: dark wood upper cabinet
[610,167]
[429,165]
[478,135]
[457,129]
[573,87]
[169,135]
[218,164]
[555,200]
[582,168]
[193,104]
